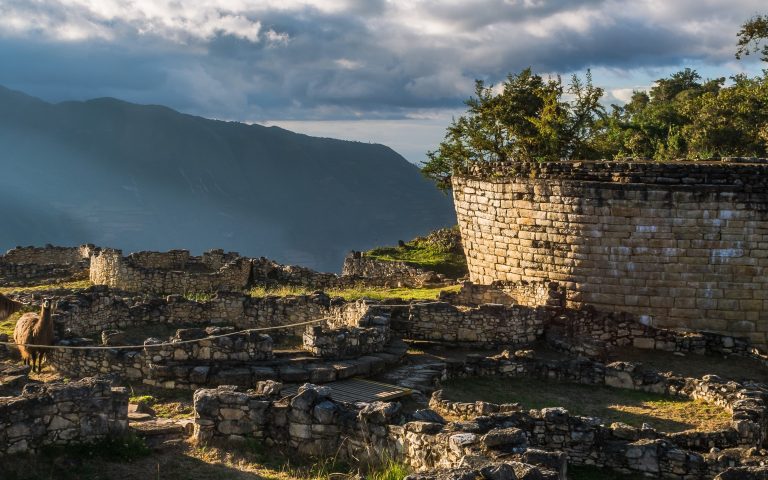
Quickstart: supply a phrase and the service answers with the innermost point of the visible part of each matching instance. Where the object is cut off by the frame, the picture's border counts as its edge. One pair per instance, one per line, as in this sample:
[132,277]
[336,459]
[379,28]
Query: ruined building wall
[48,255]
[30,265]
[681,244]
[79,412]
[170,272]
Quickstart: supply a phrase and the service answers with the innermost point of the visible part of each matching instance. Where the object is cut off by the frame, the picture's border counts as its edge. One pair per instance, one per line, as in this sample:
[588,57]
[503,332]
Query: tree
[753,37]
[528,120]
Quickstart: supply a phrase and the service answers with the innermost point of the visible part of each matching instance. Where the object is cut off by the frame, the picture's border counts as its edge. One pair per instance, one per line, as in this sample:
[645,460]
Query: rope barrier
[196,340]
[165,344]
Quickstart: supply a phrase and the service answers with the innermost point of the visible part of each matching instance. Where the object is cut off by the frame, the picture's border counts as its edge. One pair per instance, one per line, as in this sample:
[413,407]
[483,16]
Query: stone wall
[530,294]
[33,265]
[527,445]
[489,324]
[370,336]
[617,447]
[49,255]
[357,270]
[87,313]
[79,412]
[592,333]
[234,347]
[310,423]
[749,425]
[396,274]
[190,360]
[142,365]
[170,272]
[681,244]
[269,272]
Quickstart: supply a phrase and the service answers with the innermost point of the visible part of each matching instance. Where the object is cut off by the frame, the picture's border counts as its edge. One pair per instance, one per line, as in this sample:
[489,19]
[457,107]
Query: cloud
[344,59]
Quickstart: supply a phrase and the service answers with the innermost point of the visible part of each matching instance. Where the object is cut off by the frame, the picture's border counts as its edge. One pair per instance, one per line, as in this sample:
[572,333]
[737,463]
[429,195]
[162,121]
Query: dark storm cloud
[340,59]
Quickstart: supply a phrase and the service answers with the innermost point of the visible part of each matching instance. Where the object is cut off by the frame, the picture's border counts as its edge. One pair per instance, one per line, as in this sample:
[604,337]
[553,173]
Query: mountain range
[146,177]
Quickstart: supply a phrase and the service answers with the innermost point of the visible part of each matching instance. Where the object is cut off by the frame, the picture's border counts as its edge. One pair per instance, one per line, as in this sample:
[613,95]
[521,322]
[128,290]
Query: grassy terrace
[77,284]
[668,414]
[440,251]
[359,292]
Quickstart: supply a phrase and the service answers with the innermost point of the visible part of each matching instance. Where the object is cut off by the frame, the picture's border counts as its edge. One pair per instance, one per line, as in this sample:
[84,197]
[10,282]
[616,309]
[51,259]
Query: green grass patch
[165,404]
[391,470]
[440,251]
[7,325]
[359,292]
[74,285]
[667,414]
[199,296]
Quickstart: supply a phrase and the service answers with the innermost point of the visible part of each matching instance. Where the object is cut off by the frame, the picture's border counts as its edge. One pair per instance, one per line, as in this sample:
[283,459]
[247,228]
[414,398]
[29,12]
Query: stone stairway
[158,432]
[421,377]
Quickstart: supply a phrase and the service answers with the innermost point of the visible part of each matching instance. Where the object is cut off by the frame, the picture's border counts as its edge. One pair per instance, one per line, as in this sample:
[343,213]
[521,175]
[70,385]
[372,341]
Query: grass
[391,470]
[668,414]
[440,252]
[359,292]
[7,325]
[130,460]
[165,403]
[73,285]
[199,296]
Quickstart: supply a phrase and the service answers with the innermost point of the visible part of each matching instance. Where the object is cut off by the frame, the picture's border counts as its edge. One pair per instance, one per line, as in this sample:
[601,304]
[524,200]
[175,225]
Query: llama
[34,329]
[8,307]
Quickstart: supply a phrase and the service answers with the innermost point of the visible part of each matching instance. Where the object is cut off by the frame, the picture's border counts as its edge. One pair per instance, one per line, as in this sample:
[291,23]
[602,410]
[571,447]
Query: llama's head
[49,306]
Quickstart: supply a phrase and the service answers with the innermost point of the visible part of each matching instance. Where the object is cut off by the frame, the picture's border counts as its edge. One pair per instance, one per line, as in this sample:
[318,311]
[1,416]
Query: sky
[385,71]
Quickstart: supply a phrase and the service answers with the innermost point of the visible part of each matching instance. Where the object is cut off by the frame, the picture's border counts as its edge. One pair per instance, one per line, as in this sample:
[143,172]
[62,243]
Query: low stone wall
[267,272]
[487,325]
[33,265]
[87,313]
[170,272]
[530,294]
[617,447]
[235,347]
[49,255]
[79,412]
[592,333]
[342,343]
[357,264]
[503,443]
[310,423]
[749,427]
[242,359]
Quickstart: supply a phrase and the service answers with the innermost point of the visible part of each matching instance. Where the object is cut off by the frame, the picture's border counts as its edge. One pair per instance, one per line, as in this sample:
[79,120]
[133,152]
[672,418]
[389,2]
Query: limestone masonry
[61,414]
[681,244]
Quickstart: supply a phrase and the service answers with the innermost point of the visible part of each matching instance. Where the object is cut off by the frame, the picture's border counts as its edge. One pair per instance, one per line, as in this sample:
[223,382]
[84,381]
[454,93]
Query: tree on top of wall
[526,119]
[529,118]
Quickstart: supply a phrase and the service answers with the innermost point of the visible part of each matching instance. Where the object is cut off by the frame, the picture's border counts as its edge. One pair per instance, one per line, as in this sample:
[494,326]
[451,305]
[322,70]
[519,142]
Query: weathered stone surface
[626,236]
[84,411]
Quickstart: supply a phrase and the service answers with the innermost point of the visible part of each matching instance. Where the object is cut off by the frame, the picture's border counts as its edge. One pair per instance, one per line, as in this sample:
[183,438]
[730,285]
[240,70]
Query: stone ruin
[179,272]
[79,412]
[234,374]
[32,265]
[679,244]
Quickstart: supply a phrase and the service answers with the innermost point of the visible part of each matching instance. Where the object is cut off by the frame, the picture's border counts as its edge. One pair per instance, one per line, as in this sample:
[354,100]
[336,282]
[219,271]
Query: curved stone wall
[681,244]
